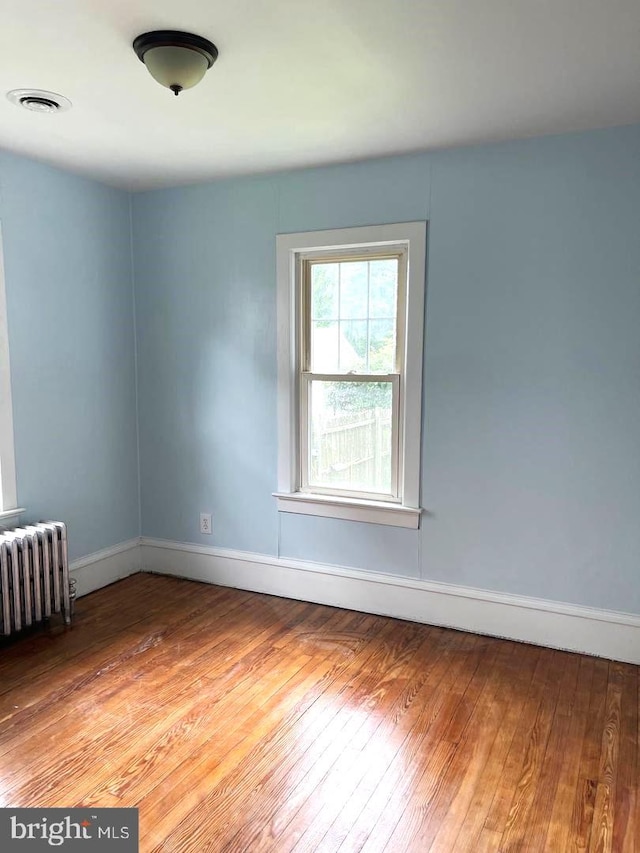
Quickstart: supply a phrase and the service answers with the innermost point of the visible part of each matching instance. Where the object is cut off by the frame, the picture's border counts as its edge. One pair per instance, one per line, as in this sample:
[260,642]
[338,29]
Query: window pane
[362,297]
[324,291]
[325,348]
[382,346]
[353,345]
[383,294]
[354,287]
[350,436]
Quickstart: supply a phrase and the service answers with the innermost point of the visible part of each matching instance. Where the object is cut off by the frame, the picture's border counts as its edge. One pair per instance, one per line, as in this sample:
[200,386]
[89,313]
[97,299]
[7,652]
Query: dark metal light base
[175,38]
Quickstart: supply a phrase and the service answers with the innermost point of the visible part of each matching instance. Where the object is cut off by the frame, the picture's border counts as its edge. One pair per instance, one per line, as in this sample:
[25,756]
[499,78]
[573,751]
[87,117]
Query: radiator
[34,575]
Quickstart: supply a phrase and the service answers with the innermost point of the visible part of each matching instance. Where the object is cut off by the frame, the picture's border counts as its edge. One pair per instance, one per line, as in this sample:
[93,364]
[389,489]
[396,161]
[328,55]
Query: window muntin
[350,372]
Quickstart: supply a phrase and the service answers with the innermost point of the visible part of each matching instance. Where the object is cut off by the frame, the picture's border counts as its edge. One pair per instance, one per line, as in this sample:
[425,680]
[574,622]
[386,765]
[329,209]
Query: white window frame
[306,374]
[404,510]
[9,510]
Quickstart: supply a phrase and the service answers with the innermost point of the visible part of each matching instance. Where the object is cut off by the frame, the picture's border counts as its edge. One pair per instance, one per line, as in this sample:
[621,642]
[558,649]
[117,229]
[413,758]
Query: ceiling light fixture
[176,60]
[39,101]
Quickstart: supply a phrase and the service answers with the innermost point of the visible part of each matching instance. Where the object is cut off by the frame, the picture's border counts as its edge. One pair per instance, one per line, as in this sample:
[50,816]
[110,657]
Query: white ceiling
[305,82]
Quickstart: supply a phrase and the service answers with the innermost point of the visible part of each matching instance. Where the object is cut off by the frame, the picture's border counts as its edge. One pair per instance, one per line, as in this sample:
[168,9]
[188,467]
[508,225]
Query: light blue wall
[532,440]
[531,450]
[68,278]
[206,353]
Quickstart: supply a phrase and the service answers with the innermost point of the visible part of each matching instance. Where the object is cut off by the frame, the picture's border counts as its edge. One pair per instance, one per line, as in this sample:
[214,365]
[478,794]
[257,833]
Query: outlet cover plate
[205,522]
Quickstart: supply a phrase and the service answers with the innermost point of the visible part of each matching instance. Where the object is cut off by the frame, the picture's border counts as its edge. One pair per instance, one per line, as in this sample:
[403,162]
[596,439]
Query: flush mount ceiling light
[39,101]
[176,60]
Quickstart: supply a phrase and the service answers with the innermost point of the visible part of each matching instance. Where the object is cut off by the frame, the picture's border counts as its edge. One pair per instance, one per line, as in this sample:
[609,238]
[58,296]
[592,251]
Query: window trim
[290,249]
[8,490]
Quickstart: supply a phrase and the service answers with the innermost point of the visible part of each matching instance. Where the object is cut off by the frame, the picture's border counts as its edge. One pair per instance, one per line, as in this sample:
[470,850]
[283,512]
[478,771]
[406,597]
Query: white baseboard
[604,633]
[104,567]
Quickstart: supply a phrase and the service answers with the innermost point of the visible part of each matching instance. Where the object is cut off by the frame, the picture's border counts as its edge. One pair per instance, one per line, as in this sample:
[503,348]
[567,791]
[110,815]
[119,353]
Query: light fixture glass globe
[174,67]
[175,59]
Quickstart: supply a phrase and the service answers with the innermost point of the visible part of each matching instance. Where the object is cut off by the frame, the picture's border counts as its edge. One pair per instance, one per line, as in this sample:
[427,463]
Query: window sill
[373,512]
[9,517]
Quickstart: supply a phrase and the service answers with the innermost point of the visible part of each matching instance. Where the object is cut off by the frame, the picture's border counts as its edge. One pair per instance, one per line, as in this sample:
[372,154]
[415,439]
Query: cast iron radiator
[34,575]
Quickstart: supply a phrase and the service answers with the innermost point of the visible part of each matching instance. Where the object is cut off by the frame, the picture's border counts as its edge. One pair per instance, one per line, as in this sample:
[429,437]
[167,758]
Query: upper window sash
[307,260]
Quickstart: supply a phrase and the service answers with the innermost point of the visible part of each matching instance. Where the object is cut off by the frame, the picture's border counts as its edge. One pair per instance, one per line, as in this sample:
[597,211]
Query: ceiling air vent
[39,101]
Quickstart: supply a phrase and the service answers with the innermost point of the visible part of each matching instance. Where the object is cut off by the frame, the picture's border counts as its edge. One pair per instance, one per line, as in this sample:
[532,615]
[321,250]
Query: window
[8,496]
[350,320]
[350,366]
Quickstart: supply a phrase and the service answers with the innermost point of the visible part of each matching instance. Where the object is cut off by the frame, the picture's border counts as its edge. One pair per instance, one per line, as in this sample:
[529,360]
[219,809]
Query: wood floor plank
[519,824]
[43,702]
[245,733]
[516,787]
[137,787]
[585,790]
[45,648]
[489,842]
[635,816]
[462,829]
[626,783]
[246,723]
[533,833]
[228,686]
[140,766]
[559,829]
[379,818]
[57,652]
[601,839]
[227,799]
[475,739]
[300,783]
[378,755]
[425,813]
[372,745]
[116,678]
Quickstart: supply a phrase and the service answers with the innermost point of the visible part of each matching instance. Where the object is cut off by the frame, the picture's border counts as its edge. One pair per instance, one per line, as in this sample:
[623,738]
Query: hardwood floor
[241,722]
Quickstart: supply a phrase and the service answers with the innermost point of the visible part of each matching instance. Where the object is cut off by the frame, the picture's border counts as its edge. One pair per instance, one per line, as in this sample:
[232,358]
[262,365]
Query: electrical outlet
[205,522]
